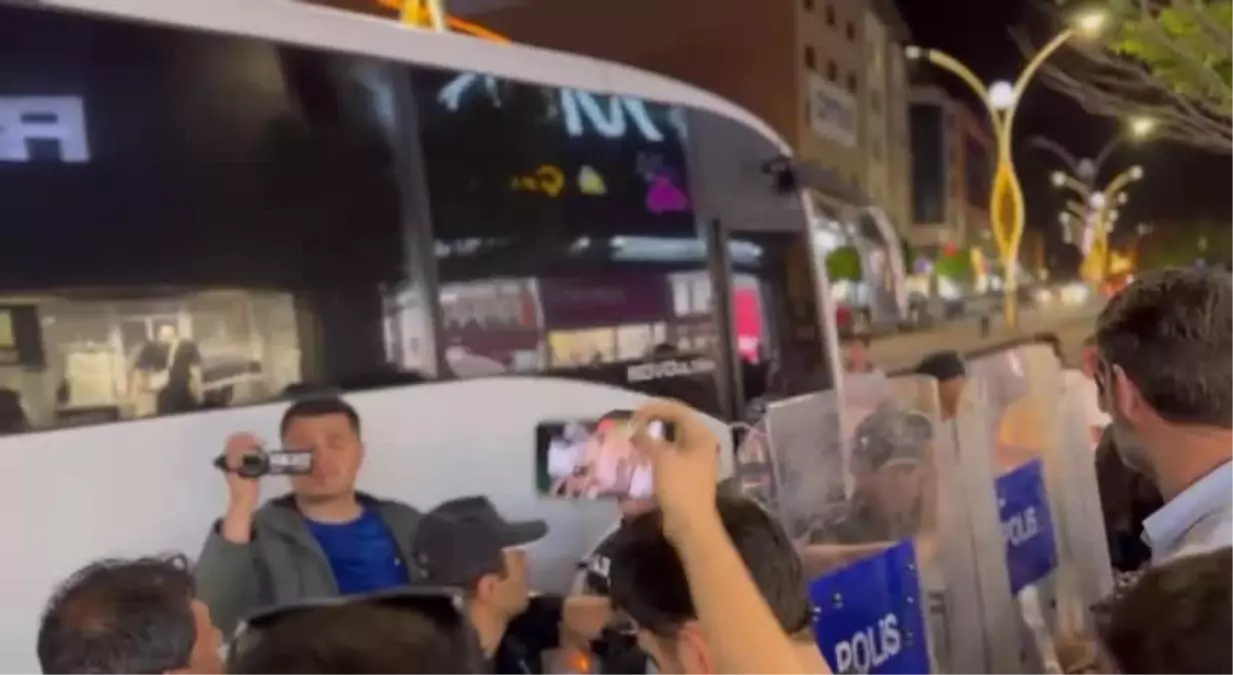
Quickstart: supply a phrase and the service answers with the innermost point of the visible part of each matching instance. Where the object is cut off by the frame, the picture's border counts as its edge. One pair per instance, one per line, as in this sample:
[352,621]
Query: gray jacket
[283,562]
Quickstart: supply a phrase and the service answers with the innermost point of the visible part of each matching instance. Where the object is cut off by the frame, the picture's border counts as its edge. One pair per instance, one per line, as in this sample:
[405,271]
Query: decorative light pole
[1097,213]
[1006,207]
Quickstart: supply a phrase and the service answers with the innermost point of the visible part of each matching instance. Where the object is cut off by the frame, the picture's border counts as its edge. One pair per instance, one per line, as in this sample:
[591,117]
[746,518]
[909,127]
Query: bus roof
[301,23]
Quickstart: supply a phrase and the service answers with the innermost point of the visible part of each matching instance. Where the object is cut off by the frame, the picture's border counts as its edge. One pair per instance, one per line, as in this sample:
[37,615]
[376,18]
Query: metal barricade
[1013,421]
[865,486]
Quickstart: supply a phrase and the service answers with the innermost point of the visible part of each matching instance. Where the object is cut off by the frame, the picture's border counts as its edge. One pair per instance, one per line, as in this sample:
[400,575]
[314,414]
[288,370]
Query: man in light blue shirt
[1165,375]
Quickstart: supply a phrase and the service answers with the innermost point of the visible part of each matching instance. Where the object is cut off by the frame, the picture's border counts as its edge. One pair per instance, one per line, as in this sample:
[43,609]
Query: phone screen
[591,459]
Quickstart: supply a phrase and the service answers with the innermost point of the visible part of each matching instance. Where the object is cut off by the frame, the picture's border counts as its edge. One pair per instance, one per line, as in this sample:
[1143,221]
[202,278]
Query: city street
[1072,325]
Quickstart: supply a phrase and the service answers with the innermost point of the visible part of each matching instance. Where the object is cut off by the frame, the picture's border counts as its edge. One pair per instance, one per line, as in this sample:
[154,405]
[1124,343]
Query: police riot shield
[1081,521]
[1012,424]
[857,483]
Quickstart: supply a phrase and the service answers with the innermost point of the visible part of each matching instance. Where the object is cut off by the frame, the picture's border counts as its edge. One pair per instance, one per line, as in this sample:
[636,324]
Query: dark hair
[356,637]
[1171,331]
[319,407]
[1176,619]
[120,616]
[649,583]
[943,366]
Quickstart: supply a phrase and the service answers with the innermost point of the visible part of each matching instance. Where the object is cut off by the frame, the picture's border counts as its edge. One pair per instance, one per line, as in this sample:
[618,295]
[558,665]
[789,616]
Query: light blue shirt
[1197,520]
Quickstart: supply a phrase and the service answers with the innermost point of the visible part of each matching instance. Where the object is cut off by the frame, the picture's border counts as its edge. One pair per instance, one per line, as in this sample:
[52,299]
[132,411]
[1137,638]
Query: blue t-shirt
[362,553]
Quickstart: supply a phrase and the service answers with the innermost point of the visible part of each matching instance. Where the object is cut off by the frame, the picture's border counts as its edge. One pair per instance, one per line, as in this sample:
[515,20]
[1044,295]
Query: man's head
[329,427]
[1176,618]
[388,633]
[1165,353]
[649,584]
[854,347]
[948,369]
[167,333]
[889,447]
[465,543]
[129,616]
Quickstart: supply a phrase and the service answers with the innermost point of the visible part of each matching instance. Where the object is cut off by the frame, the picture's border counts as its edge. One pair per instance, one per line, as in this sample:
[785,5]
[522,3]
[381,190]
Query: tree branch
[1108,85]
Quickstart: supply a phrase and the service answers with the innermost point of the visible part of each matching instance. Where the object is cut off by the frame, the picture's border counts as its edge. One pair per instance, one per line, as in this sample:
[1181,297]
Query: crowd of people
[328,579]
[319,581]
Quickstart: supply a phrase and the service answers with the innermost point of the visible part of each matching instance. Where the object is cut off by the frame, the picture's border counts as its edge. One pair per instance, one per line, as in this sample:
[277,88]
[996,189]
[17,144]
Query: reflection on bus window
[778,296]
[275,228]
[206,246]
[579,204]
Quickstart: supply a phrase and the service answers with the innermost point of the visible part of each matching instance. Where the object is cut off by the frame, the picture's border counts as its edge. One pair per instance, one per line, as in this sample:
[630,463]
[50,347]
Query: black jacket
[1127,498]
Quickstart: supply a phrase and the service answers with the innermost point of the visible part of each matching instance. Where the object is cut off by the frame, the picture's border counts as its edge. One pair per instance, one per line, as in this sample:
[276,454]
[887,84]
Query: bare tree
[1189,99]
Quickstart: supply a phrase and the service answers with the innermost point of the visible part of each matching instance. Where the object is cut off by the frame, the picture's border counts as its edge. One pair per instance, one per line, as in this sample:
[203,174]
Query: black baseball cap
[462,540]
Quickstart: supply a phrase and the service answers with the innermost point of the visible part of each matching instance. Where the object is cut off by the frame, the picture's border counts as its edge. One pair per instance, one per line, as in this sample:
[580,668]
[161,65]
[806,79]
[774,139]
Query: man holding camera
[324,539]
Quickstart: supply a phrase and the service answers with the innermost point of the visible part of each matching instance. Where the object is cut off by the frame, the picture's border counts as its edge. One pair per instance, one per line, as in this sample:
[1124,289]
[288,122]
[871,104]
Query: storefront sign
[660,370]
[832,112]
[609,301]
[869,616]
[43,128]
[582,113]
[547,179]
[21,337]
[1027,526]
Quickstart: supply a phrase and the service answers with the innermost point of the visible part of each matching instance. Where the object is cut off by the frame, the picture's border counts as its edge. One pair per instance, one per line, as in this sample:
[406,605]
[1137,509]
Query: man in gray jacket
[324,539]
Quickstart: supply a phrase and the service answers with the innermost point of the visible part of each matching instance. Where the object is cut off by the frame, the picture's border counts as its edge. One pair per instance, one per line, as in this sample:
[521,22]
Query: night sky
[1180,183]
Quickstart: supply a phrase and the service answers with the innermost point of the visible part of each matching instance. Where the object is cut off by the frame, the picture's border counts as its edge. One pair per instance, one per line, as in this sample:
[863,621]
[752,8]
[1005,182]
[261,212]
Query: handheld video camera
[270,463]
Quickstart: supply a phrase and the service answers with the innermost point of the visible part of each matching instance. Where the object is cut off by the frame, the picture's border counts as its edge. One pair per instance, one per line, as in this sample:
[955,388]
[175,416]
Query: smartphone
[595,458]
[271,463]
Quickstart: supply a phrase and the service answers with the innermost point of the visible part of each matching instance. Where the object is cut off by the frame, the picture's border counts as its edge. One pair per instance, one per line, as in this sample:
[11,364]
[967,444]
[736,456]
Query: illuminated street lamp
[1141,127]
[1006,207]
[1088,169]
[1100,208]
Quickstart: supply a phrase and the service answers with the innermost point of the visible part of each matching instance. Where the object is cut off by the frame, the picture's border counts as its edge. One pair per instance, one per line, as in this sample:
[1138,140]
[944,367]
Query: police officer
[889,447]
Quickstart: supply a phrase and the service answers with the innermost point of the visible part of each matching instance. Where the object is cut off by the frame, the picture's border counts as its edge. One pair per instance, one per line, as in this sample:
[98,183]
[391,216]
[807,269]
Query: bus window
[193,221]
[792,354]
[564,229]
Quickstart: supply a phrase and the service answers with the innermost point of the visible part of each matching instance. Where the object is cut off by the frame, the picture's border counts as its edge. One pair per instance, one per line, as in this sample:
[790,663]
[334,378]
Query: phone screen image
[590,459]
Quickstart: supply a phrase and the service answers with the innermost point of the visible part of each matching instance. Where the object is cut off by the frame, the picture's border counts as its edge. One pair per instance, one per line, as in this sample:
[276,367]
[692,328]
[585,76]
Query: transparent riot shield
[859,485]
[1081,520]
[1014,423]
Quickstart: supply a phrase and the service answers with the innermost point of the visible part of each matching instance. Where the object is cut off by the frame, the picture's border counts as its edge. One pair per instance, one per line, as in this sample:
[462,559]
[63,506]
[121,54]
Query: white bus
[434,225]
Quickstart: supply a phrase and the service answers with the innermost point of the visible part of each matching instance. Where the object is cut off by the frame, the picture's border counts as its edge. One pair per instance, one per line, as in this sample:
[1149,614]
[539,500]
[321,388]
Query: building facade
[803,66]
[951,170]
[885,114]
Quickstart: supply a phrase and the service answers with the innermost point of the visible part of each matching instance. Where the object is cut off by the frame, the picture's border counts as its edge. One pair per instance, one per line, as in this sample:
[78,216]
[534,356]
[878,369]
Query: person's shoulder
[595,567]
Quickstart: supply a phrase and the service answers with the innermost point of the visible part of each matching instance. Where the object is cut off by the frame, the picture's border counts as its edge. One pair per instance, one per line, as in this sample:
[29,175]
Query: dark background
[1180,184]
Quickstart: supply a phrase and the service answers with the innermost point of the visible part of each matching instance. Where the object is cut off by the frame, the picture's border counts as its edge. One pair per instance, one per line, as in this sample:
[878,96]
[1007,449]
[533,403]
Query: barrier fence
[935,544]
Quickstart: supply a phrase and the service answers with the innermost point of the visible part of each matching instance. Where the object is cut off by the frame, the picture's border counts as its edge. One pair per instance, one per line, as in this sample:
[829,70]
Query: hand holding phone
[595,459]
[686,464]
